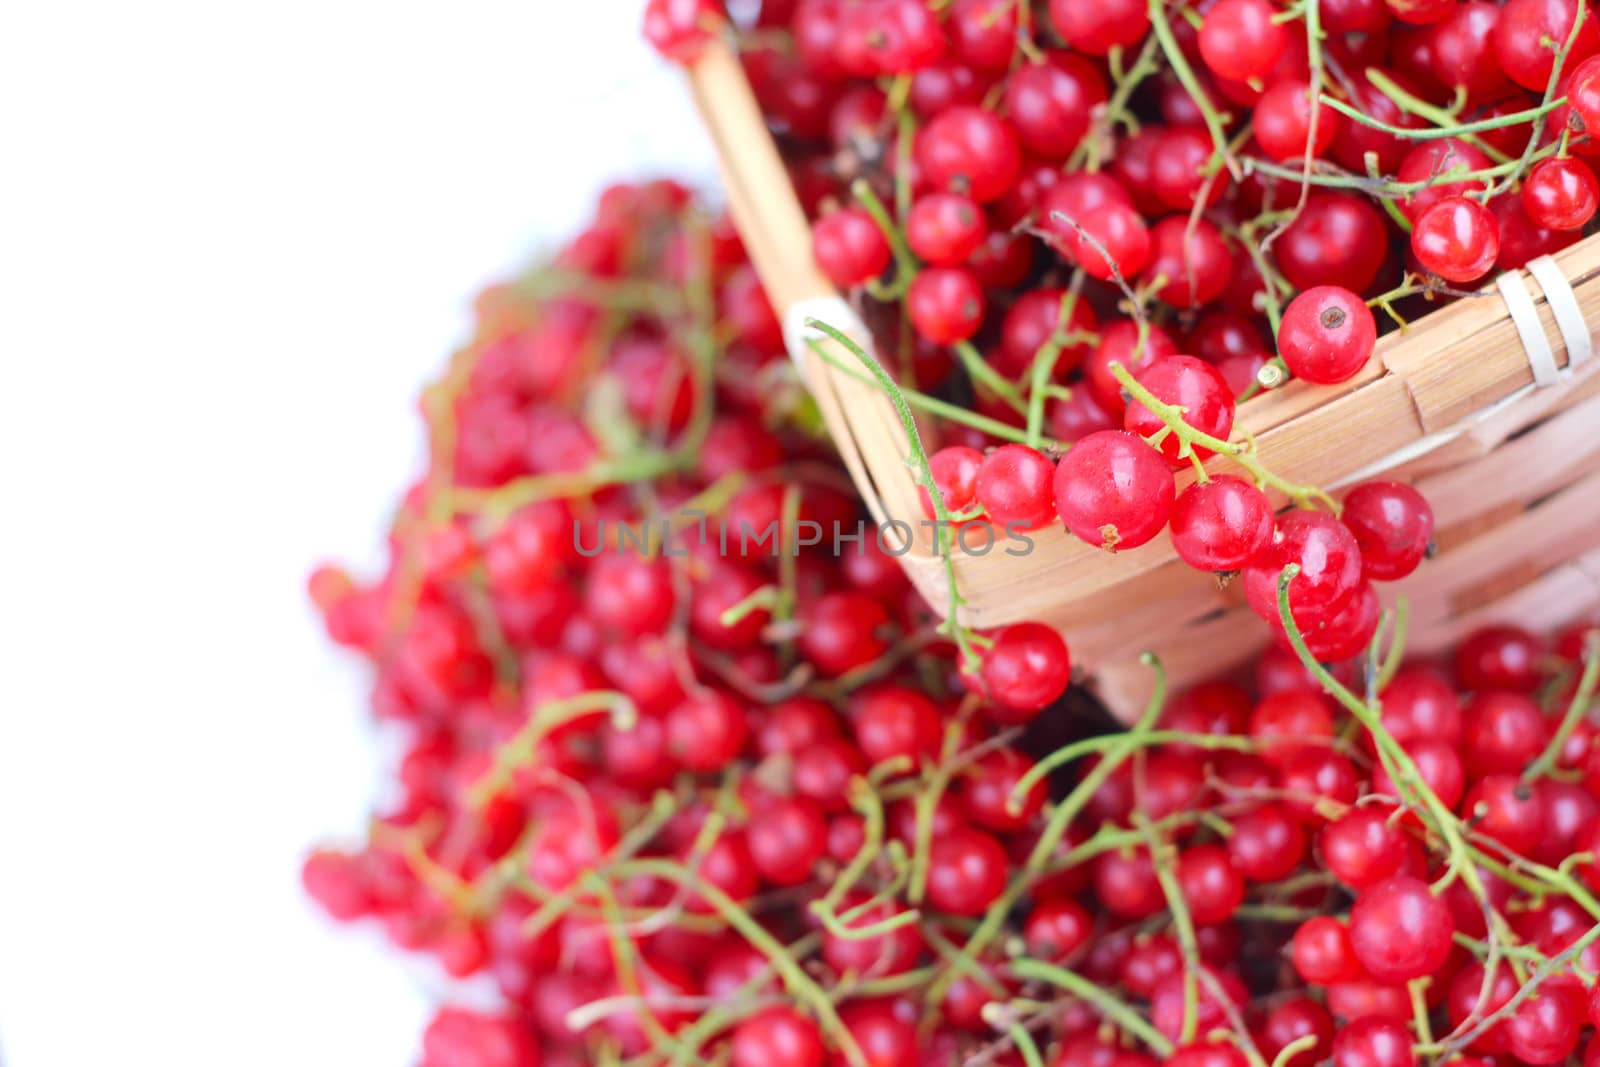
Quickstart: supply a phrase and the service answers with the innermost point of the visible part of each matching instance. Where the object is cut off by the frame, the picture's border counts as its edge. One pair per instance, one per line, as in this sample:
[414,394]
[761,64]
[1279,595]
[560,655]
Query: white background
[235,239]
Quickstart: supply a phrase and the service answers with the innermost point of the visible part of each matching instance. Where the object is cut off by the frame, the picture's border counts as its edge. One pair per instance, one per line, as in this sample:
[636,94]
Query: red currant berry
[1016,486]
[680,29]
[1242,40]
[1106,241]
[955,475]
[1050,103]
[1561,193]
[1211,887]
[843,631]
[945,304]
[1095,29]
[1114,491]
[1267,844]
[1326,335]
[787,835]
[1218,525]
[1322,953]
[1192,384]
[1583,96]
[944,229]
[777,1037]
[1026,668]
[1457,239]
[1499,657]
[1337,239]
[1529,33]
[849,247]
[1363,847]
[966,872]
[1373,1042]
[1284,123]
[1056,929]
[1393,524]
[971,151]
[1544,1028]
[1506,809]
[1330,567]
[1190,263]
[1399,930]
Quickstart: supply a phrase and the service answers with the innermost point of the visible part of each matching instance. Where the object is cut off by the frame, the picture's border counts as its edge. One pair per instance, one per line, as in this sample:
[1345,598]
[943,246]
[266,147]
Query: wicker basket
[1450,404]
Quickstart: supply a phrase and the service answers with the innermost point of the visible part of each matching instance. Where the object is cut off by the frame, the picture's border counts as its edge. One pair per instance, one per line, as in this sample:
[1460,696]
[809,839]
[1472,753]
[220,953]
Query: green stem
[1031,970]
[1576,709]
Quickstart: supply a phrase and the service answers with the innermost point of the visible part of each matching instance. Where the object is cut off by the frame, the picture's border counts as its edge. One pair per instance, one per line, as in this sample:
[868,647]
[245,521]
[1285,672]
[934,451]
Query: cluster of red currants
[629,768]
[681,807]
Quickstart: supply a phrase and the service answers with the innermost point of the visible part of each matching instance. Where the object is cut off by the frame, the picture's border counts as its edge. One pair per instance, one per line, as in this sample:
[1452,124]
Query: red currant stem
[984,374]
[728,1011]
[795,979]
[1331,177]
[1271,299]
[1275,913]
[1443,132]
[788,559]
[519,751]
[702,338]
[629,296]
[1241,454]
[1536,134]
[1056,824]
[962,962]
[762,599]
[624,956]
[1044,362]
[1313,19]
[1191,84]
[944,409]
[497,504]
[905,262]
[1032,970]
[918,460]
[1443,118]
[1418,988]
[1087,156]
[864,799]
[1577,708]
[1286,1055]
[1078,749]
[1555,964]
[1163,858]
[1389,666]
[1001,1018]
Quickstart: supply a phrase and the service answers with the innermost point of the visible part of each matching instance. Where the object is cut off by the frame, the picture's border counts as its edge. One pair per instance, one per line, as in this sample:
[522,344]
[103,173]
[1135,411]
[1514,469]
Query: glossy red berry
[1286,126]
[849,247]
[1322,952]
[1192,384]
[787,835]
[1330,567]
[945,304]
[1212,888]
[1499,657]
[1393,525]
[945,229]
[955,474]
[1373,1042]
[1266,844]
[1326,335]
[1016,486]
[1457,239]
[1561,193]
[1363,847]
[966,872]
[777,1037]
[680,29]
[1056,929]
[970,151]
[1102,238]
[1114,491]
[1050,103]
[1524,34]
[1095,29]
[843,631]
[1241,39]
[1583,95]
[1026,668]
[1190,263]
[1399,930]
[1218,525]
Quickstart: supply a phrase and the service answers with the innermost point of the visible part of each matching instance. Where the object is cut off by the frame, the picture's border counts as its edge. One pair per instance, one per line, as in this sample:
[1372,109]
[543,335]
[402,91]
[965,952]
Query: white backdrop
[235,239]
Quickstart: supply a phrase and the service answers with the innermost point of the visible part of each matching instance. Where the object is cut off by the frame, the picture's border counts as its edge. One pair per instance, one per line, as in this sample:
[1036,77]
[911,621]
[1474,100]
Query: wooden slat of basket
[1462,358]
